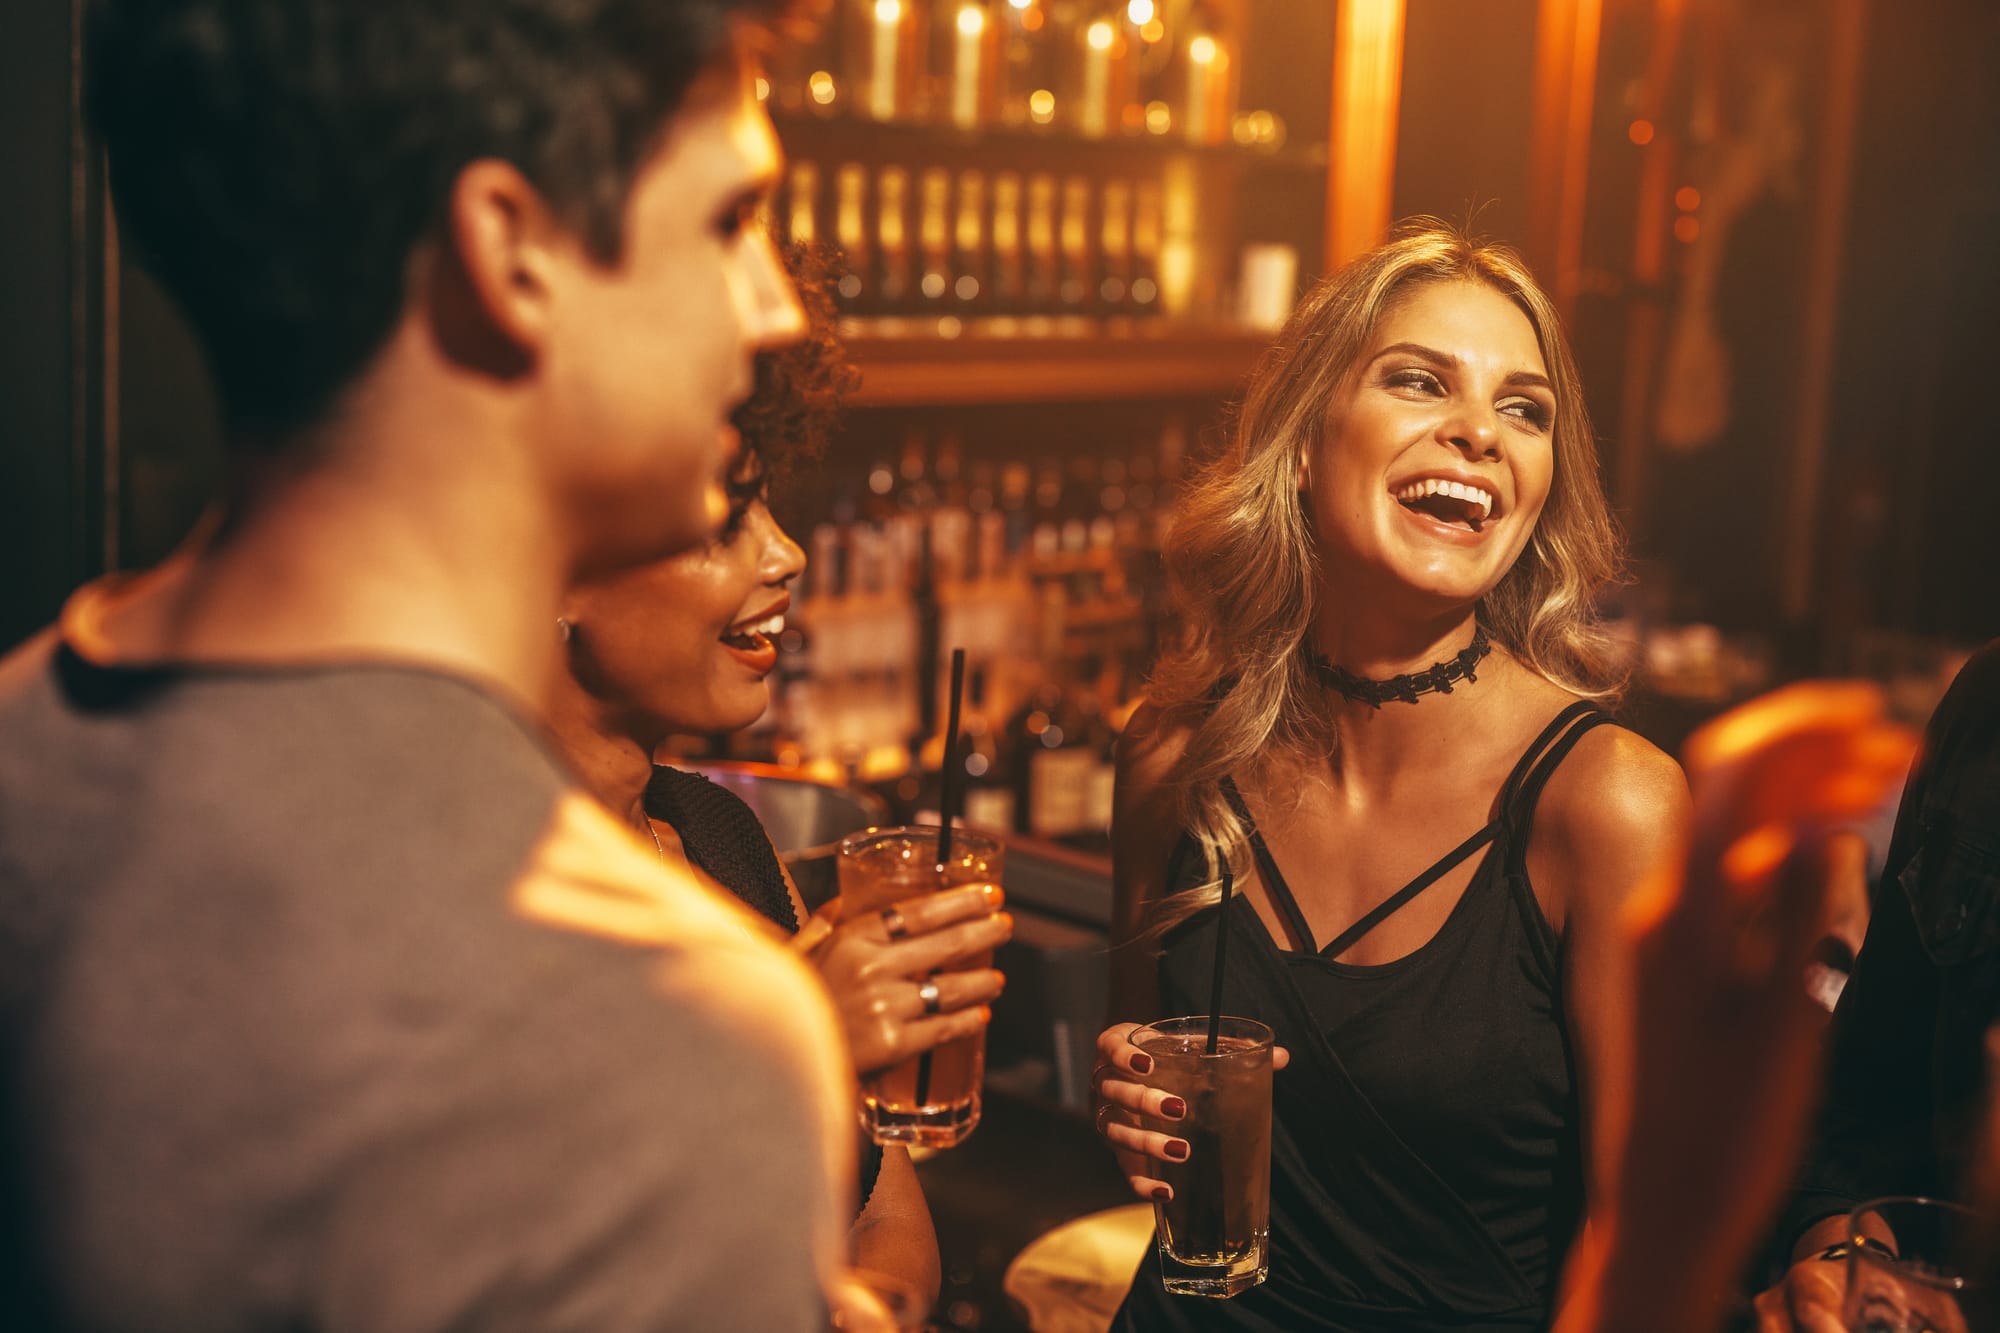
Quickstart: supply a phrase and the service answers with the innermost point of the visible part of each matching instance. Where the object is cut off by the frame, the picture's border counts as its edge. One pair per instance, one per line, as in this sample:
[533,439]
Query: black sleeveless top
[1426,1146]
[723,839]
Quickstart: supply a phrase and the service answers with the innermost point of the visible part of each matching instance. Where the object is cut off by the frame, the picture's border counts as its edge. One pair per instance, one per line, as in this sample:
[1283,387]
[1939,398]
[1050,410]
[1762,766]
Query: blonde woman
[1386,721]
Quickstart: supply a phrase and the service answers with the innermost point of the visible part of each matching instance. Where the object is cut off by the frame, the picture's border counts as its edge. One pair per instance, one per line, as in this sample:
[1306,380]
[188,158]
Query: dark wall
[108,436]
[1463,137]
[52,528]
[1910,538]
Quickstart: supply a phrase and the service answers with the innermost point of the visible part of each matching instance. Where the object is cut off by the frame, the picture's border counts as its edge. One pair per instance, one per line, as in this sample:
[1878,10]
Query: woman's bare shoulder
[1615,810]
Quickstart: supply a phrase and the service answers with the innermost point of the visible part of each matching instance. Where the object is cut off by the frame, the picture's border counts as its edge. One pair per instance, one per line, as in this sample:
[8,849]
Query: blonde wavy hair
[1244,568]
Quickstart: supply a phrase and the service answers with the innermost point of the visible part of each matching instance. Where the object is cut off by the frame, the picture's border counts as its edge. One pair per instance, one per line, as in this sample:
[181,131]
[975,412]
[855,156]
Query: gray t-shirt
[329,1003]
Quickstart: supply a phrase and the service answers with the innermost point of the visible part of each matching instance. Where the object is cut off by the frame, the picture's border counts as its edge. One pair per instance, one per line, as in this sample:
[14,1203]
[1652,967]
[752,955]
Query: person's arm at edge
[1614,814]
[894,1233]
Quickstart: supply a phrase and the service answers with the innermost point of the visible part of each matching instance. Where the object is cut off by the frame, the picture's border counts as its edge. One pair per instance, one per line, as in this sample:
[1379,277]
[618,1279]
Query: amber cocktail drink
[1215,1233]
[931,1099]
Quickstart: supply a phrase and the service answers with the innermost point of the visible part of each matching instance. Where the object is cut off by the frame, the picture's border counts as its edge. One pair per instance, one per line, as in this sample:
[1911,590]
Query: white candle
[1203,56]
[1097,39]
[883,59]
[968,66]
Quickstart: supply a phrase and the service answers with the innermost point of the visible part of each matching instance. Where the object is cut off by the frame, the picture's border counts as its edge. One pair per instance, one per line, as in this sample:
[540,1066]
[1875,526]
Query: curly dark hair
[275,162]
[791,414]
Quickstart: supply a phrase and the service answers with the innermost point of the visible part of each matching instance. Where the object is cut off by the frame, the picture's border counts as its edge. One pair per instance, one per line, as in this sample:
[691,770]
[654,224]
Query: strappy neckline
[1512,812]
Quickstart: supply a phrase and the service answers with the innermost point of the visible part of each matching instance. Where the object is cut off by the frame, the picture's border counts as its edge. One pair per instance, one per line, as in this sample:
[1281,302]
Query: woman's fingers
[927,1033]
[944,947]
[945,993]
[1115,1048]
[1136,1147]
[927,912]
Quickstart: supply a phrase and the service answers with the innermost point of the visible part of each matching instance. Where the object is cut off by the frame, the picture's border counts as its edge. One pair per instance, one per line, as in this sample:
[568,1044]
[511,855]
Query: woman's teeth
[751,633]
[1478,497]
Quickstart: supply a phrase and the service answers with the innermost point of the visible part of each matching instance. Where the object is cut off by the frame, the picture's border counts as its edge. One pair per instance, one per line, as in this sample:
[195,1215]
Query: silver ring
[892,922]
[927,991]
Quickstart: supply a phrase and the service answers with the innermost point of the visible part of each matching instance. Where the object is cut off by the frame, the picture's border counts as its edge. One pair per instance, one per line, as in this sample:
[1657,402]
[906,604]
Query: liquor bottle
[1056,759]
[802,203]
[1114,247]
[968,235]
[1043,272]
[1146,234]
[1009,272]
[1076,288]
[988,778]
[934,238]
[893,288]
[850,232]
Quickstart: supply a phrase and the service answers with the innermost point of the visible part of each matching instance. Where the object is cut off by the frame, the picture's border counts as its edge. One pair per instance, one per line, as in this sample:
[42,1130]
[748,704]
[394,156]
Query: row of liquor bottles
[1046,574]
[1093,68]
[941,242]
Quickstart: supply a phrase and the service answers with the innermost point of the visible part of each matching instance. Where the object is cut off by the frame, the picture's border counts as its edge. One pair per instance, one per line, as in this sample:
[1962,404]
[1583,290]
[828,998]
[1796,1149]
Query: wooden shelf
[914,363]
[836,138]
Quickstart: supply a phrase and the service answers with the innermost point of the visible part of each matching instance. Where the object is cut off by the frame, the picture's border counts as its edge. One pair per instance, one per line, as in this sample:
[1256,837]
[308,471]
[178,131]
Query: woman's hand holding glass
[1122,1097]
[896,976]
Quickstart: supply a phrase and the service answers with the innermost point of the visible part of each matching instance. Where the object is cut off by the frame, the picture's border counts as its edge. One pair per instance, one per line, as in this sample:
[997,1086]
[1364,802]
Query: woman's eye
[1530,411]
[740,219]
[1413,378]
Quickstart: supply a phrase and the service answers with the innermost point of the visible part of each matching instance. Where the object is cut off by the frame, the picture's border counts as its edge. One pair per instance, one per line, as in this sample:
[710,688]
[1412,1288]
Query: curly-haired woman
[1385,721]
[684,647]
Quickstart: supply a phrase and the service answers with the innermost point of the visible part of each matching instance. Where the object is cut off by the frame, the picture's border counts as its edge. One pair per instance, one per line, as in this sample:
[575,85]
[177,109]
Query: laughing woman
[683,648]
[1386,721]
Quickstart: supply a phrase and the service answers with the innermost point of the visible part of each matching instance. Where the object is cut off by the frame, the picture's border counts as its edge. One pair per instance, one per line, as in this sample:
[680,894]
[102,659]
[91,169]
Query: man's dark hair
[275,162]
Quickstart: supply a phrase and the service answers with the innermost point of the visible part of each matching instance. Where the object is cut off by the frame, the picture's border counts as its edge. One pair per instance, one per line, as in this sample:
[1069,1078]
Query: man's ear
[506,241]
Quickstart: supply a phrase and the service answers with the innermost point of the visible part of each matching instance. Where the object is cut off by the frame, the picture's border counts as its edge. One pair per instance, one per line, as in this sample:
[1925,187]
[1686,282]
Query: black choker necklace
[1435,679]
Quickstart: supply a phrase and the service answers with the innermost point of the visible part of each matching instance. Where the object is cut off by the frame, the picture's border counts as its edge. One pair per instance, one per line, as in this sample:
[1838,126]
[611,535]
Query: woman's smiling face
[1438,454]
[684,645]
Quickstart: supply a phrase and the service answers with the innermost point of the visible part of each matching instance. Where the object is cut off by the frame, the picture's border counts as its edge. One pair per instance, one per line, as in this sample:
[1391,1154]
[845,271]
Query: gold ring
[892,922]
[927,991]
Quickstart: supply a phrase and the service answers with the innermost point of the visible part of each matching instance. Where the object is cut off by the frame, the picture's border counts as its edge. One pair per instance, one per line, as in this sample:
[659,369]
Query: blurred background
[1066,230]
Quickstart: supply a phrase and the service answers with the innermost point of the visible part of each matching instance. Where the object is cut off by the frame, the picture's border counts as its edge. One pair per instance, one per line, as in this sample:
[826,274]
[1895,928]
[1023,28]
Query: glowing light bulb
[1098,35]
[1140,12]
[971,21]
[1202,50]
[888,11]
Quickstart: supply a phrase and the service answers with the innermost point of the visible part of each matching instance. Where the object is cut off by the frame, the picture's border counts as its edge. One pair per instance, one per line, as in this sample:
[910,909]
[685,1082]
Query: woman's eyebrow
[1445,360]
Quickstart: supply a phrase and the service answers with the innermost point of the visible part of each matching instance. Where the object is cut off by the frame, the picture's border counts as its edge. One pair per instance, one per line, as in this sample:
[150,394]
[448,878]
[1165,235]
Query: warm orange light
[1367,85]
[1687,199]
[1640,132]
[1686,228]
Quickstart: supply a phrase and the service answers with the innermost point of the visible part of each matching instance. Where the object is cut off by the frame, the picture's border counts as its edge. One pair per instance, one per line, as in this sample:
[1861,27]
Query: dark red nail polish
[1161,1193]
[1177,1149]
[1142,1063]
[1173,1108]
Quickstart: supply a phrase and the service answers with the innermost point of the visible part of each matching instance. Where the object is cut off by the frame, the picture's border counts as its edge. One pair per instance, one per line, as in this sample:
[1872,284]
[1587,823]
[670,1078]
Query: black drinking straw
[948,802]
[1221,959]
[954,767]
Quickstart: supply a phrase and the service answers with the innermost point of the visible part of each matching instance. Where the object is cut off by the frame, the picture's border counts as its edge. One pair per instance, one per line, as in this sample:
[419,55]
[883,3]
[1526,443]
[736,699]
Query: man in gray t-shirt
[327,999]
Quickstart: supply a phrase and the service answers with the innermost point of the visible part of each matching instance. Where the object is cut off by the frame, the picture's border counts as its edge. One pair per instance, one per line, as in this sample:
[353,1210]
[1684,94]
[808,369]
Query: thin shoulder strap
[1388,906]
[1267,867]
[1519,808]
[1511,789]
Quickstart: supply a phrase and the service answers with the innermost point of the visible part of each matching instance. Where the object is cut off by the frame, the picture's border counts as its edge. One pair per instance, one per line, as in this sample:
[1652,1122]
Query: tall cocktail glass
[930,1099]
[1906,1270]
[1214,1234]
